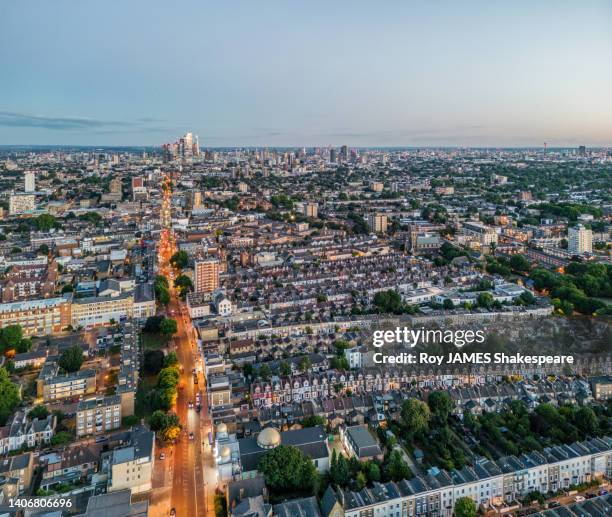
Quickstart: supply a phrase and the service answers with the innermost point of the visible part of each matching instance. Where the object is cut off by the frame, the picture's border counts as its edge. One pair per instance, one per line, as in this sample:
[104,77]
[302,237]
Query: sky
[306,72]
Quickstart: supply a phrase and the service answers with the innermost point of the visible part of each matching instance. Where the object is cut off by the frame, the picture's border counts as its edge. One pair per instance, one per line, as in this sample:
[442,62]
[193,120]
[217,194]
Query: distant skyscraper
[580,240]
[344,153]
[582,150]
[186,146]
[332,156]
[29,181]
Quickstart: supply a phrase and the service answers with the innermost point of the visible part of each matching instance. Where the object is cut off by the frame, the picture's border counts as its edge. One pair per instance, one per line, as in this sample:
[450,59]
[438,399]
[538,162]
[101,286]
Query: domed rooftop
[269,438]
[221,428]
[226,452]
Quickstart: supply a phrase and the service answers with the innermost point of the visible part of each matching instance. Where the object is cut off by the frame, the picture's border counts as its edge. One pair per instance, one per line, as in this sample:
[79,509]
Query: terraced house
[487,482]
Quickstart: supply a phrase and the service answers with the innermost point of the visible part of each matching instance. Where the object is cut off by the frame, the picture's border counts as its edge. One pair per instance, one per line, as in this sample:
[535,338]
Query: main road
[188,466]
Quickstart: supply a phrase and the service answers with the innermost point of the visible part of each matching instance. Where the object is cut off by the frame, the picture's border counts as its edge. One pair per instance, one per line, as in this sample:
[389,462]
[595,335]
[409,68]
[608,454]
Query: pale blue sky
[415,73]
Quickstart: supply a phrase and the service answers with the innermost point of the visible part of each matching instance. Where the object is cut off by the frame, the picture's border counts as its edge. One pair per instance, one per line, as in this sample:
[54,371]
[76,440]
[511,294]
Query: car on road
[554,504]
[190,405]
[162,455]
[173,513]
[191,436]
[579,498]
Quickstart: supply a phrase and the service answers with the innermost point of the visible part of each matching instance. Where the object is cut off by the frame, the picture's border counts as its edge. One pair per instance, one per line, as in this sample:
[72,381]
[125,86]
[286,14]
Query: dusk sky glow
[362,73]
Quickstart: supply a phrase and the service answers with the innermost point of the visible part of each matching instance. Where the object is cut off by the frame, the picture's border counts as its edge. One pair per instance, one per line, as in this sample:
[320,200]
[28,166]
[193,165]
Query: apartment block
[38,317]
[53,386]
[98,415]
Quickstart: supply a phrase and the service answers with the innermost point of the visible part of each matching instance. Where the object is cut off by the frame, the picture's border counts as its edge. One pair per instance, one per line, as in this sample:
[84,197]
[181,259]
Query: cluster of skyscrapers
[184,148]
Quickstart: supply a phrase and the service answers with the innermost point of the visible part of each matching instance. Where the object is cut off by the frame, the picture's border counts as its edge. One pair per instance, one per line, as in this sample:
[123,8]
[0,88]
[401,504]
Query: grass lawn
[142,407]
[153,341]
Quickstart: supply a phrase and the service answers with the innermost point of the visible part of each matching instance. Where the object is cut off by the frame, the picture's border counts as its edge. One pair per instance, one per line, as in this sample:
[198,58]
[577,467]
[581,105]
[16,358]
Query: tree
[152,324]
[519,263]
[448,304]
[9,396]
[415,416]
[44,222]
[339,473]
[62,438]
[305,364]
[284,369]
[43,249]
[441,405]
[264,372]
[287,470]
[168,326]
[40,412]
[157,421]
[11,337]
[184,284]
[485,300]
[388,301]
[166,425]
[360,480]
[180,260]
[171,360]
[161,286]
[526,298]
[372,471]
[587,421]
[153,361]
[170,433]
[71,359]
[397,469]
[312,421]
[163,297]
[465,507]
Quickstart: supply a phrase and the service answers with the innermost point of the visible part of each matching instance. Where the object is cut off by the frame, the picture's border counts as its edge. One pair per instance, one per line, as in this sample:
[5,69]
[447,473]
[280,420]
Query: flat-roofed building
[51,386]
[359,442]
[38,317]
[206,275]
[98,415]
[20,203]
[96,311]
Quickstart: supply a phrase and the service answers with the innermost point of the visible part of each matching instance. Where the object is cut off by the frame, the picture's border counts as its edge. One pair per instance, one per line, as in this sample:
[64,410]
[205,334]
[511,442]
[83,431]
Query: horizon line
[250,146]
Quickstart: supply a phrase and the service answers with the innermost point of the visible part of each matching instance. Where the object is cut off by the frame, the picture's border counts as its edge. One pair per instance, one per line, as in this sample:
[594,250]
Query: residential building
[96,311]
[579,240]
[360,443]
[21,203]
[206,275]
[29,181]
[38,317]
[51,385]
[131,467]
[378,223]
[98,415]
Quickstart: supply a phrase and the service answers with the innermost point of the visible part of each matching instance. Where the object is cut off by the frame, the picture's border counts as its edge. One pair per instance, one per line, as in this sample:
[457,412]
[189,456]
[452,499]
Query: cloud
[90,125]
[12,119]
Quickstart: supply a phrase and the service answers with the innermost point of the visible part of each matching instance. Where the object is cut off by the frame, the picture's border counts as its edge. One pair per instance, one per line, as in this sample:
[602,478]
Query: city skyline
[417,75]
